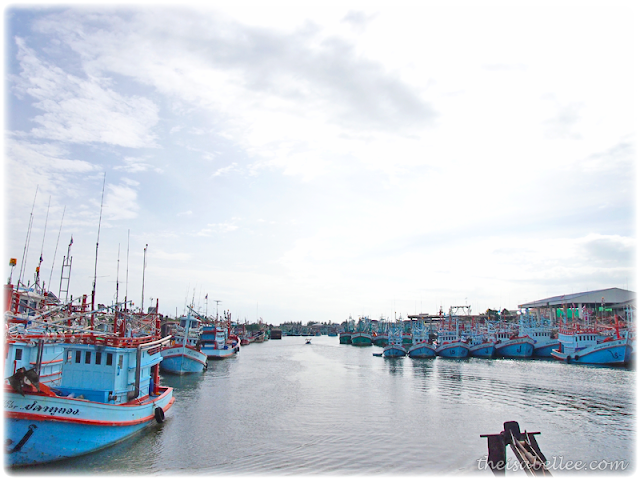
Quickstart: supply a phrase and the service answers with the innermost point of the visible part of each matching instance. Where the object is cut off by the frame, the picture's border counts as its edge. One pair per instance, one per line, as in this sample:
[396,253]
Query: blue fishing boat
[216,341]
[29,343]
[513,345]
[450,343]
[541,332]
[109,390]
[394,348]
[591,345]
[481,345]
[362,336]
[421,346]
[184,355]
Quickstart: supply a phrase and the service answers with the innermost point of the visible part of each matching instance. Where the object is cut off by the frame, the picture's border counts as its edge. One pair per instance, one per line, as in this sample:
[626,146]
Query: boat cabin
[107,374]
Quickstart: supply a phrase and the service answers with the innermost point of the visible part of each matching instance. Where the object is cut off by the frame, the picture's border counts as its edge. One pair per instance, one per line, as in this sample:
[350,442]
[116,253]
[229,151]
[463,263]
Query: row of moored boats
[602,342]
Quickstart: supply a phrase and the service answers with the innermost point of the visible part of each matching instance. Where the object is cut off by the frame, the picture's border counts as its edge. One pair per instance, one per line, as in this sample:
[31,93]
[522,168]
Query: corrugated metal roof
[610,295]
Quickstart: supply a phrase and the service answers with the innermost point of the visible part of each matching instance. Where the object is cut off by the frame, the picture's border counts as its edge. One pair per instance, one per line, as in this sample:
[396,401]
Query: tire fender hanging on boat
[159,414]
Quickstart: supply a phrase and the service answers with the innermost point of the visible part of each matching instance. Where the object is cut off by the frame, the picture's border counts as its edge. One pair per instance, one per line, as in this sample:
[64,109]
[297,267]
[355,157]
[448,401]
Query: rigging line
[56,250]
[28,239]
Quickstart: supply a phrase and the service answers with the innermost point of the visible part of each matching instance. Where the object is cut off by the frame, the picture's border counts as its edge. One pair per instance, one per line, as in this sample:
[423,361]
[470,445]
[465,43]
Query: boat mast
[126,279]
[95,270]
[28,239]
[144,266]
[56,250]
[44,234]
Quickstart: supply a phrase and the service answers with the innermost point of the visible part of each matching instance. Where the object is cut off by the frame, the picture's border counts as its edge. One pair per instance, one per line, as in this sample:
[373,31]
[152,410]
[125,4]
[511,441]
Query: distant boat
[450,343]
[421,346]
[216,341]
[580,344]
[307,341]
[511,344]
[540,331]
[362,336]
[481,346]
[184,356]
[394,348]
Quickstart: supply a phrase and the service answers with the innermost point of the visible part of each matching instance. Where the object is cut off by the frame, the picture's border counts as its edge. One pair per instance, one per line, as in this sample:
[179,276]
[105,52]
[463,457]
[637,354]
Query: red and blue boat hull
[453,350]
[422,350]
[180,360]
[521,347]
[615,352]
[41,428]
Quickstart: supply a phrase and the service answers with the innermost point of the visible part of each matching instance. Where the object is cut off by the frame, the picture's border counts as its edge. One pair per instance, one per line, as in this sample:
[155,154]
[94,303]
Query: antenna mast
[56,250]
[28,239]
[95,270]
[44,234]
[144,266]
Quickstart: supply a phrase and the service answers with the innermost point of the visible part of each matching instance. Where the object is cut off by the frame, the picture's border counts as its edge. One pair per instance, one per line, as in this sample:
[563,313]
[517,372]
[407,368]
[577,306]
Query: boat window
[78,356]
[194,324]
[18,354]
[87,357]
[183,323]
[120,360]
[98,358]
[109,358]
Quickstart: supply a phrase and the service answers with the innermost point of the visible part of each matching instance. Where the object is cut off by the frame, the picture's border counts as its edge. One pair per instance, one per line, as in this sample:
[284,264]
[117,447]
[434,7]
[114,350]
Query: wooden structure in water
[524,447]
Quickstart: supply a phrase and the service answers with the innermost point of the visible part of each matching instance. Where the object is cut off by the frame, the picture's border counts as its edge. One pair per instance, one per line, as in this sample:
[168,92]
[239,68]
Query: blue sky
[313,162]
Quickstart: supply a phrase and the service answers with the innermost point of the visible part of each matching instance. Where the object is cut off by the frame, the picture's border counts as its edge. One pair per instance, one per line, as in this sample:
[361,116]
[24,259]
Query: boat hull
[393,351]
[453,350]
[616,352]
[220,353]
[544,351]
[180,360]
[42,429]
[345,338]
[381,340]
[422,350]
[483,350]
[516,348]
[361,340]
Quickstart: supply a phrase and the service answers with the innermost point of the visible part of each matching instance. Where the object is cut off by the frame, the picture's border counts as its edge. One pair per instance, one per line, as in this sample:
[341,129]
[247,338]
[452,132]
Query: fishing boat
[450,343]
[381,333]
[541,332]
[395,348]
[362,336]
[216,340]
[481,345]
[591,345]
[421,346]
[109,390]
[345,336]
[26,313]
[510,344]
[183,355]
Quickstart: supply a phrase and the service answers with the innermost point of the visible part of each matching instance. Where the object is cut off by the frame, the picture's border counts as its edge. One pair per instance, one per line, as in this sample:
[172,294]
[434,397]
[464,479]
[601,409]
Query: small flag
[206,297]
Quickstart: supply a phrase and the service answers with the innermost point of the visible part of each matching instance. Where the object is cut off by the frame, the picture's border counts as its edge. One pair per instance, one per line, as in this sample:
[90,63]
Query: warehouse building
[600,303]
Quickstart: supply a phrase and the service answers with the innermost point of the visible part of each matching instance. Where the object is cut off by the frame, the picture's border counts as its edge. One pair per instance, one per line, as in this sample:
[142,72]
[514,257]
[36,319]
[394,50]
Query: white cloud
[82,111]
[121,202]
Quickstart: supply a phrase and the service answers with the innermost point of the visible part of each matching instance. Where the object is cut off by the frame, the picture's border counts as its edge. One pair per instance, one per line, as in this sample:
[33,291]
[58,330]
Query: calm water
[283,407]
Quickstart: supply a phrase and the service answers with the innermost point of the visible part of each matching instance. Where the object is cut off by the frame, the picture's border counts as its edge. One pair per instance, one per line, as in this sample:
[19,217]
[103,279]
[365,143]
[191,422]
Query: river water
[286,408]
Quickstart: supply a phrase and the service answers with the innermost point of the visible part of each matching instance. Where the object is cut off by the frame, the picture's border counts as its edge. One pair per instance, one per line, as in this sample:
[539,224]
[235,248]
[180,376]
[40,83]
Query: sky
[312,161]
